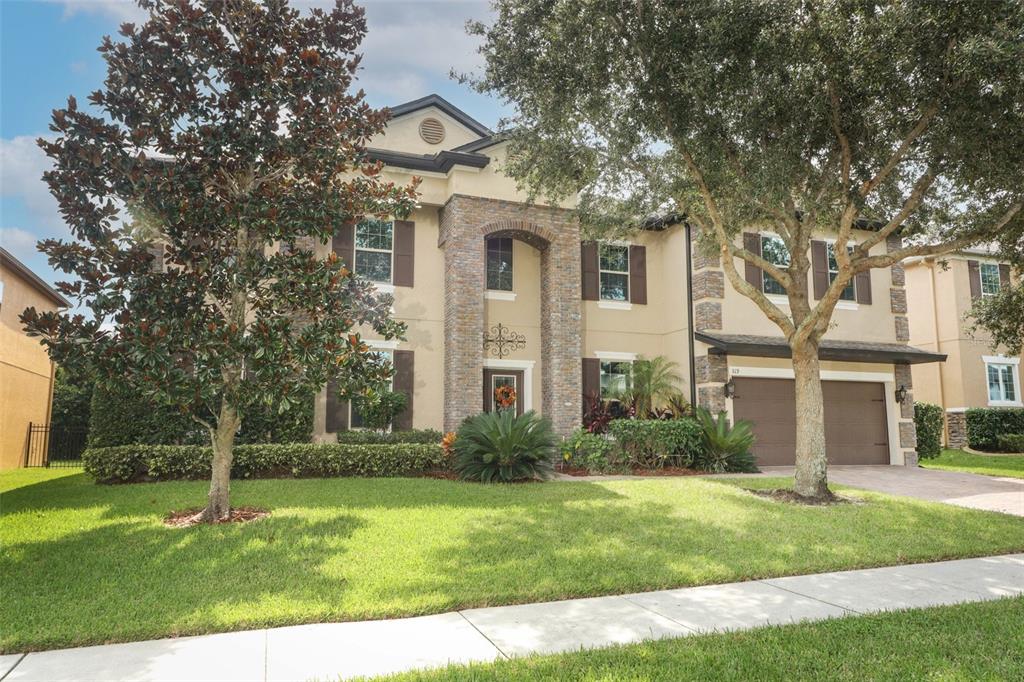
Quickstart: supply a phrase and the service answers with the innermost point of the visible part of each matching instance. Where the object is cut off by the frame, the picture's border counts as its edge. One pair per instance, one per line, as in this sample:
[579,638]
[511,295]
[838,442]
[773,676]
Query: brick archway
[466,222]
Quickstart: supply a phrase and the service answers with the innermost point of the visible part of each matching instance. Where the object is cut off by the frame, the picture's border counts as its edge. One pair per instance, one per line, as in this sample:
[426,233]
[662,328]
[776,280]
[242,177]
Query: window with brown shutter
[403,382]
[405,245]
[337,409]
[638,274]
[590,270]
[344,244]
[974,275]
[752,273]
[1004,275]
[863,287]
[819,268]
[591,380]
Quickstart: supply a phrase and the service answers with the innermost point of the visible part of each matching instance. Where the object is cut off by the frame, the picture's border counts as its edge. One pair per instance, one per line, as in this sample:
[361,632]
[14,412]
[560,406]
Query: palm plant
[726,448]
[500,446]
[653,383]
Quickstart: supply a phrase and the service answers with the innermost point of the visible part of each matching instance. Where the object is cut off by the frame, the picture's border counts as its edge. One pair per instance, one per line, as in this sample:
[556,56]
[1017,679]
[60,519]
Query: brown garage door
[855,423]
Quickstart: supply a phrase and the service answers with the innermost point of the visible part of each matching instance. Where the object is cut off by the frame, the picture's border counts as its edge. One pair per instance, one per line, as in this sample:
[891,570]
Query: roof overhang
[830,349]
[34,280]
[444,105]
[442,162]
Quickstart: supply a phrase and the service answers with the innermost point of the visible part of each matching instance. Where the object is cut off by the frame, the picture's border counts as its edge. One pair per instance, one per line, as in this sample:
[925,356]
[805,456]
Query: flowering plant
[448,443]
[505,397]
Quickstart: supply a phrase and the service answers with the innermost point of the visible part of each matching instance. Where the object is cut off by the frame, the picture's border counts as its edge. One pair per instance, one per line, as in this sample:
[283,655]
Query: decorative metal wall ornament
[502,341]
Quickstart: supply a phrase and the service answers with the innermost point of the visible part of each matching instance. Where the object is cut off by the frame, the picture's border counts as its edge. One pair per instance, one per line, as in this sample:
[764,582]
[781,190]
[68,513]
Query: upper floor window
[499,264]
[773,250]
[375,250]
[614,272]
[989,279]
[849,293]
[614,378]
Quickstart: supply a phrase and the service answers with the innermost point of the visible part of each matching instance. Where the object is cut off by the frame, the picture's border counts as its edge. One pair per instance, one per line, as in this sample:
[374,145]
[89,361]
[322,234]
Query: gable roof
[445,106]
[34,280]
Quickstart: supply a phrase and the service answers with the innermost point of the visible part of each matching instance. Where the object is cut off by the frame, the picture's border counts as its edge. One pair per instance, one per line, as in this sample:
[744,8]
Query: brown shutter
[337,409]
[1004,275]
[405,244]
[591,288]
[591,379]
[863,287]
[752,273]
[638,274]
[974,274]
[344,244]
[819,268]
[403,383]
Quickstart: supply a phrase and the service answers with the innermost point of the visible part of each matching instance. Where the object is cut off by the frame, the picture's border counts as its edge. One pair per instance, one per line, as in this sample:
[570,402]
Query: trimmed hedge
[127,463]
[122,415]
[378,438]
[929,421]
[1011,442]
[985,425]
[654,443]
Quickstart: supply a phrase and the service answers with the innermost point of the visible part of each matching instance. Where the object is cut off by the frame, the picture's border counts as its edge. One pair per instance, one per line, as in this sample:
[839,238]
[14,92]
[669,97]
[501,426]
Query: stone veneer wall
[710,371]
[898,306]
[465,222]
[956,429]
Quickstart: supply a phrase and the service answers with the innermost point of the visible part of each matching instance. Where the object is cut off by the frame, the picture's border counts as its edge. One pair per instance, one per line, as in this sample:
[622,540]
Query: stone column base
[956,429]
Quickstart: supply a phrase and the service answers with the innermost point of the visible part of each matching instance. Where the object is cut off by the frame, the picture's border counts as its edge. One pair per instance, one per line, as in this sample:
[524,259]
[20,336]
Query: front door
[495,379]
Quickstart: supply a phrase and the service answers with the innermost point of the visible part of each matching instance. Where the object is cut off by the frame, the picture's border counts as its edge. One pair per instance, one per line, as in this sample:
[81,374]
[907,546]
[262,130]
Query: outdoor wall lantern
[730,389]
[901,394]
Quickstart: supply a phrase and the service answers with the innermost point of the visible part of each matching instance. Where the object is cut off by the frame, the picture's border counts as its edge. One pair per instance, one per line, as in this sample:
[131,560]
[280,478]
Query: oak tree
[225,143]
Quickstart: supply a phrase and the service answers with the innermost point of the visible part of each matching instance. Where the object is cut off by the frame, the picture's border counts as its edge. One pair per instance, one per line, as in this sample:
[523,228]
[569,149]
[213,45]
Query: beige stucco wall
[26,373]
[403,133]
[874,322]
[938,300]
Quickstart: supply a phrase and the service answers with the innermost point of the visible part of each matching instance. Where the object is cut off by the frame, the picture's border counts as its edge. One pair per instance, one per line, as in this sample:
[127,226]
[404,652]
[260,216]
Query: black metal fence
[54,446]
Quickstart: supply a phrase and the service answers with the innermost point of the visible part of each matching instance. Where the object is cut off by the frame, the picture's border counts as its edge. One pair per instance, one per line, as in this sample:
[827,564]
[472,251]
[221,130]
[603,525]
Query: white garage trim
[887,378]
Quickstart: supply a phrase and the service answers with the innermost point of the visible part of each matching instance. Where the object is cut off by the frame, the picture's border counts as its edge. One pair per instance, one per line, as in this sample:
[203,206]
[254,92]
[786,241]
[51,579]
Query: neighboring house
[940,294]
[26,372]
[495,291]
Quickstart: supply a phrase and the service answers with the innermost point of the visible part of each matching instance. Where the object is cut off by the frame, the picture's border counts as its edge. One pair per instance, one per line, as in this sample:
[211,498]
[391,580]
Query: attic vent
[432,130]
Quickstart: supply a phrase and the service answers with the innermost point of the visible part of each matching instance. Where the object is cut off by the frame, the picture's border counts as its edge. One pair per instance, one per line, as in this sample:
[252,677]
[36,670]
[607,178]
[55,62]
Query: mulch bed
[443,475]
[664,471]
[190,517]
[789,496]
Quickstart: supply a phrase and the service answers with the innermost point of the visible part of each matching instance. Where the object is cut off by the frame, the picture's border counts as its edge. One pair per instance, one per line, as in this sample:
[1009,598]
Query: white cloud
[21,243]
[22,163]
[119,10]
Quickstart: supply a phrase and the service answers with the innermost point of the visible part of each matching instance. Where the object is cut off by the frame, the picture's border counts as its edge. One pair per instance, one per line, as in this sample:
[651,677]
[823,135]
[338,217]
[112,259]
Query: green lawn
[82,563]
[983,641]
[958,460]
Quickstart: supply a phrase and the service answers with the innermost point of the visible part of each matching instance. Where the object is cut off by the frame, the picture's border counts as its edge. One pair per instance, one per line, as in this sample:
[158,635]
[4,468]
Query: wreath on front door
[505,397]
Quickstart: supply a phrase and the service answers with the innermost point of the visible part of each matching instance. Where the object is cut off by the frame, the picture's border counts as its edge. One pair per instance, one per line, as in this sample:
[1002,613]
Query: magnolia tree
[225,129]
[795,116]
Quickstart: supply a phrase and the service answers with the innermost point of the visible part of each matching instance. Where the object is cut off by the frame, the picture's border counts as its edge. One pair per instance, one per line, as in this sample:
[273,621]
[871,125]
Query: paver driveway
[990,493]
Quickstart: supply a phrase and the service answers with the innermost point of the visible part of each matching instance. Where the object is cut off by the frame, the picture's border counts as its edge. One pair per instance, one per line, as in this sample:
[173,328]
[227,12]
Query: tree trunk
[811,464]
[218,505]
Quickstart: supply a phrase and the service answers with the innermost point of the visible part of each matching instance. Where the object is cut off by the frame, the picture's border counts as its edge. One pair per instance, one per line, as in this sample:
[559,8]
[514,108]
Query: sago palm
[499,446]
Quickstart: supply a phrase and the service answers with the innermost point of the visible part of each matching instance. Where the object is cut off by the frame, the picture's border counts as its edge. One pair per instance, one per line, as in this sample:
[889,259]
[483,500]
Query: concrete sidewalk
[343,650]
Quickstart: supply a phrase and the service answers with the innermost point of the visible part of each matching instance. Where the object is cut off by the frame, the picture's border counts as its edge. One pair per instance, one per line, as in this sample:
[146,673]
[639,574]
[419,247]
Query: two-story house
[941,292]
[495,291]
[26,371]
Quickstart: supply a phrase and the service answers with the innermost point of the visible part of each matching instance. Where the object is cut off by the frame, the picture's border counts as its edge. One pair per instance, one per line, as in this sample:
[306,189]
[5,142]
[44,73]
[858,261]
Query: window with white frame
[989,279]
[356,420]
[499,264]
[773,250]
[614,272]
[375,250]
[615,378]
[850,292]
[1003,379]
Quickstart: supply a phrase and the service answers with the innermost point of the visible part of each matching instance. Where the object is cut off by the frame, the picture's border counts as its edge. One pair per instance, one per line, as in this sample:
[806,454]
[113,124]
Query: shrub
[726,448]
[267,424]
[590,451]
[654,443]
[596,414]
[985,425]
[124,416]
[72,397]
[427,436]
[500,446]
[378,408]
[127,463]
[1011,442]
[928,420]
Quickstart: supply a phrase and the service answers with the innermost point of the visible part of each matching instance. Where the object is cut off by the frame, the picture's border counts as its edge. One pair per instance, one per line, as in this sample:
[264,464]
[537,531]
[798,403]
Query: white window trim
[610,303]
[526,366]
[1014,364]
[981,279]
[383,288]
[887,379]
[496,295]
[615,356]
[380,344]
[391,270]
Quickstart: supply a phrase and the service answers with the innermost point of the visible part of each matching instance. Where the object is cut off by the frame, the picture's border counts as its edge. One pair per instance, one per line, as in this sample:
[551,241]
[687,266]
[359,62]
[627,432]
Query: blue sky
[48,51]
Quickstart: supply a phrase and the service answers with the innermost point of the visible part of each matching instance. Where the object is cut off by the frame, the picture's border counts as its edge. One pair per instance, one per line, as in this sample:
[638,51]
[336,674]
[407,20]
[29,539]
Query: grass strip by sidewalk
[978,641]
[957,460]
[87,564]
